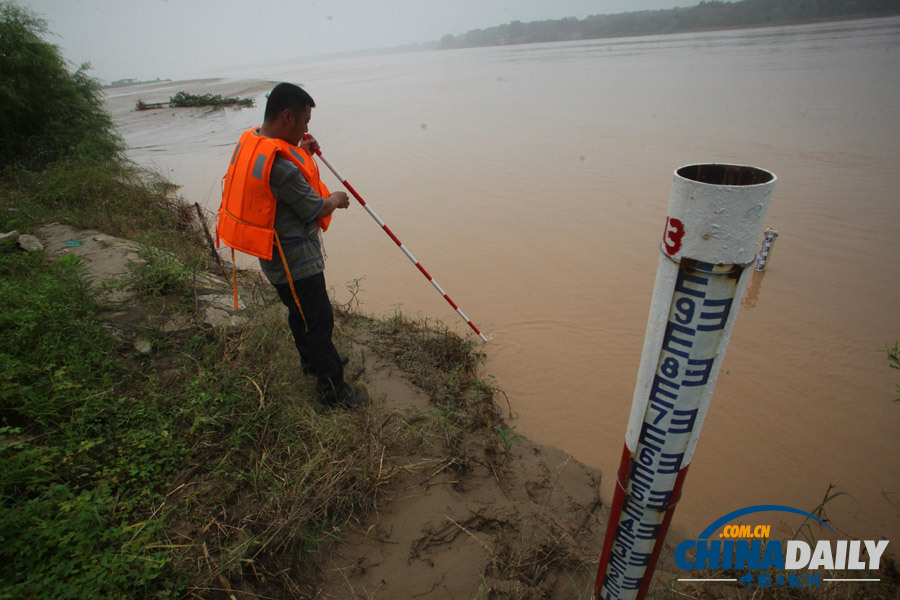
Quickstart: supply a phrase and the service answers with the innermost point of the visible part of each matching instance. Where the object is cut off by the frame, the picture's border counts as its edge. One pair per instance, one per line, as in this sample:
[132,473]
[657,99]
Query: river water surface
[532,182]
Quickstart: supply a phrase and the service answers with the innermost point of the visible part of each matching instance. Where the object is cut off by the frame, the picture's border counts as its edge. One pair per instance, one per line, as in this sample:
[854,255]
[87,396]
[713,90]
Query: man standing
[273,206]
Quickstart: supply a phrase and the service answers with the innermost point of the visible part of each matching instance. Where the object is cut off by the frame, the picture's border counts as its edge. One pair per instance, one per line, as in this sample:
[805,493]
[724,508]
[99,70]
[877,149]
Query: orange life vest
[247,214]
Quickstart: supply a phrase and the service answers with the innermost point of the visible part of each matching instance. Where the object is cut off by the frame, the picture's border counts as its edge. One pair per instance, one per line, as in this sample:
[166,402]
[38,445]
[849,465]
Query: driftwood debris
[141,105]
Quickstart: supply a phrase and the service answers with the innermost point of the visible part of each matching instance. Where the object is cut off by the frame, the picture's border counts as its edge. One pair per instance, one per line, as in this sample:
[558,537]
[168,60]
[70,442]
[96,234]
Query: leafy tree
[49,113]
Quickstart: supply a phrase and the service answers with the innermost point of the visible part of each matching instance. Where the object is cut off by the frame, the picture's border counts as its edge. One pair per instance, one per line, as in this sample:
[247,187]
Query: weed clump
[159,272]
[445,366]
[186,100]
[440,362]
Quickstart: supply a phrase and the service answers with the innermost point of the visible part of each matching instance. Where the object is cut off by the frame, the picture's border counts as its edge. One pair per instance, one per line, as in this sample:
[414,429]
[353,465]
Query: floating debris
[184,99]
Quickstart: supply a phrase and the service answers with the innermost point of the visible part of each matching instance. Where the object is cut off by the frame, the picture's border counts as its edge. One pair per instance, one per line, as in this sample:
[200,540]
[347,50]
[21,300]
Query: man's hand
[333,202]
[341,199]
[310,144]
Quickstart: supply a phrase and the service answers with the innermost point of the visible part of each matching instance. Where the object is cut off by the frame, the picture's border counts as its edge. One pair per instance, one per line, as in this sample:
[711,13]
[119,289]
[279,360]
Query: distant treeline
[712,14]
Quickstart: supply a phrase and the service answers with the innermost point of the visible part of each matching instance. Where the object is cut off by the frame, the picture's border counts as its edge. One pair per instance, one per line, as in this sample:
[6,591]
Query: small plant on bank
[448,422]
[351,307]
[893,356]
[819,512]
[159,272]
[506,436]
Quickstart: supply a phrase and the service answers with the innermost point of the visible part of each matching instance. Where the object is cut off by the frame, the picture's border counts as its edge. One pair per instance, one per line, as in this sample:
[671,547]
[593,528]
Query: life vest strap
[290,280]
[287,273]
[234,279]
[243,222]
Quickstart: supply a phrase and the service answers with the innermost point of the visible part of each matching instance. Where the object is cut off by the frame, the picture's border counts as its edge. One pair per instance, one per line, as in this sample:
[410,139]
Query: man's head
[288,111]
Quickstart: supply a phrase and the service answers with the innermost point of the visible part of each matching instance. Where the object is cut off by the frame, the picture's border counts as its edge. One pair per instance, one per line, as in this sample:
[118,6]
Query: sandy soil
[522,524]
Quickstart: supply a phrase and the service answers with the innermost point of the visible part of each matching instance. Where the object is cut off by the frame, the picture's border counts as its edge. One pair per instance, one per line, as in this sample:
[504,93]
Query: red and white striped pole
[715,217]
[397,241]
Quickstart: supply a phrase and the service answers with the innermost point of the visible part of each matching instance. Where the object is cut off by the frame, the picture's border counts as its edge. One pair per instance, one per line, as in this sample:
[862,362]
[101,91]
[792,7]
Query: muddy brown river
[532,183]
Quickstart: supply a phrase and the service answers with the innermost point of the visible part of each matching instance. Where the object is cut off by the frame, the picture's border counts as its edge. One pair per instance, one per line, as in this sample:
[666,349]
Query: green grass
[158,273]
[81,457]
[208,463]
[120,473]
[118,198]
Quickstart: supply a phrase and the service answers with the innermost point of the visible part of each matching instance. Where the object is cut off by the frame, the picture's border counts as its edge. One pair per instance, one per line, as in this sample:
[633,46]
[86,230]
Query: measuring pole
[766,249]
[715,217]
[397,241]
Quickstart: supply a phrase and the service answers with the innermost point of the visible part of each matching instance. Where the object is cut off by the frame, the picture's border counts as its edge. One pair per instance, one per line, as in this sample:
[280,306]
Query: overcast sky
[185,38]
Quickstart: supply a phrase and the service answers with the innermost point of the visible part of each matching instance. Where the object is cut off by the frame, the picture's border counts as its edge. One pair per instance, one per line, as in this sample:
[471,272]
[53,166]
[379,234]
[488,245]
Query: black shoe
[348,399]
[307,369]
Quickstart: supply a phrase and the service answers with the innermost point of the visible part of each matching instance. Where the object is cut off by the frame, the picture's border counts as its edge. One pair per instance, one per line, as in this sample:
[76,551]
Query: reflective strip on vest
[259,166]
[298,156]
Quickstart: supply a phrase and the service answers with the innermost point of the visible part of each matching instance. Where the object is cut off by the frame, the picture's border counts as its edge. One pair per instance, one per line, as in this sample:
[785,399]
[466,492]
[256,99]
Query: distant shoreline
[439,45]
[707,16]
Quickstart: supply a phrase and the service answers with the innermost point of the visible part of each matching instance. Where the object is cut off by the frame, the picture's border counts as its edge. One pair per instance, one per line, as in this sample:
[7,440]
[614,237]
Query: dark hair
[287,96]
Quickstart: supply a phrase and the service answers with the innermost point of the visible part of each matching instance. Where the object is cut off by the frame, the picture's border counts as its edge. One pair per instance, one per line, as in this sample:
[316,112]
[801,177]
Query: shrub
[48,113]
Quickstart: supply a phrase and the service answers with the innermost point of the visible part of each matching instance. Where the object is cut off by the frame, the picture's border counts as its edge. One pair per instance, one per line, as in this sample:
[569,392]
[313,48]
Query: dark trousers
[313,339]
